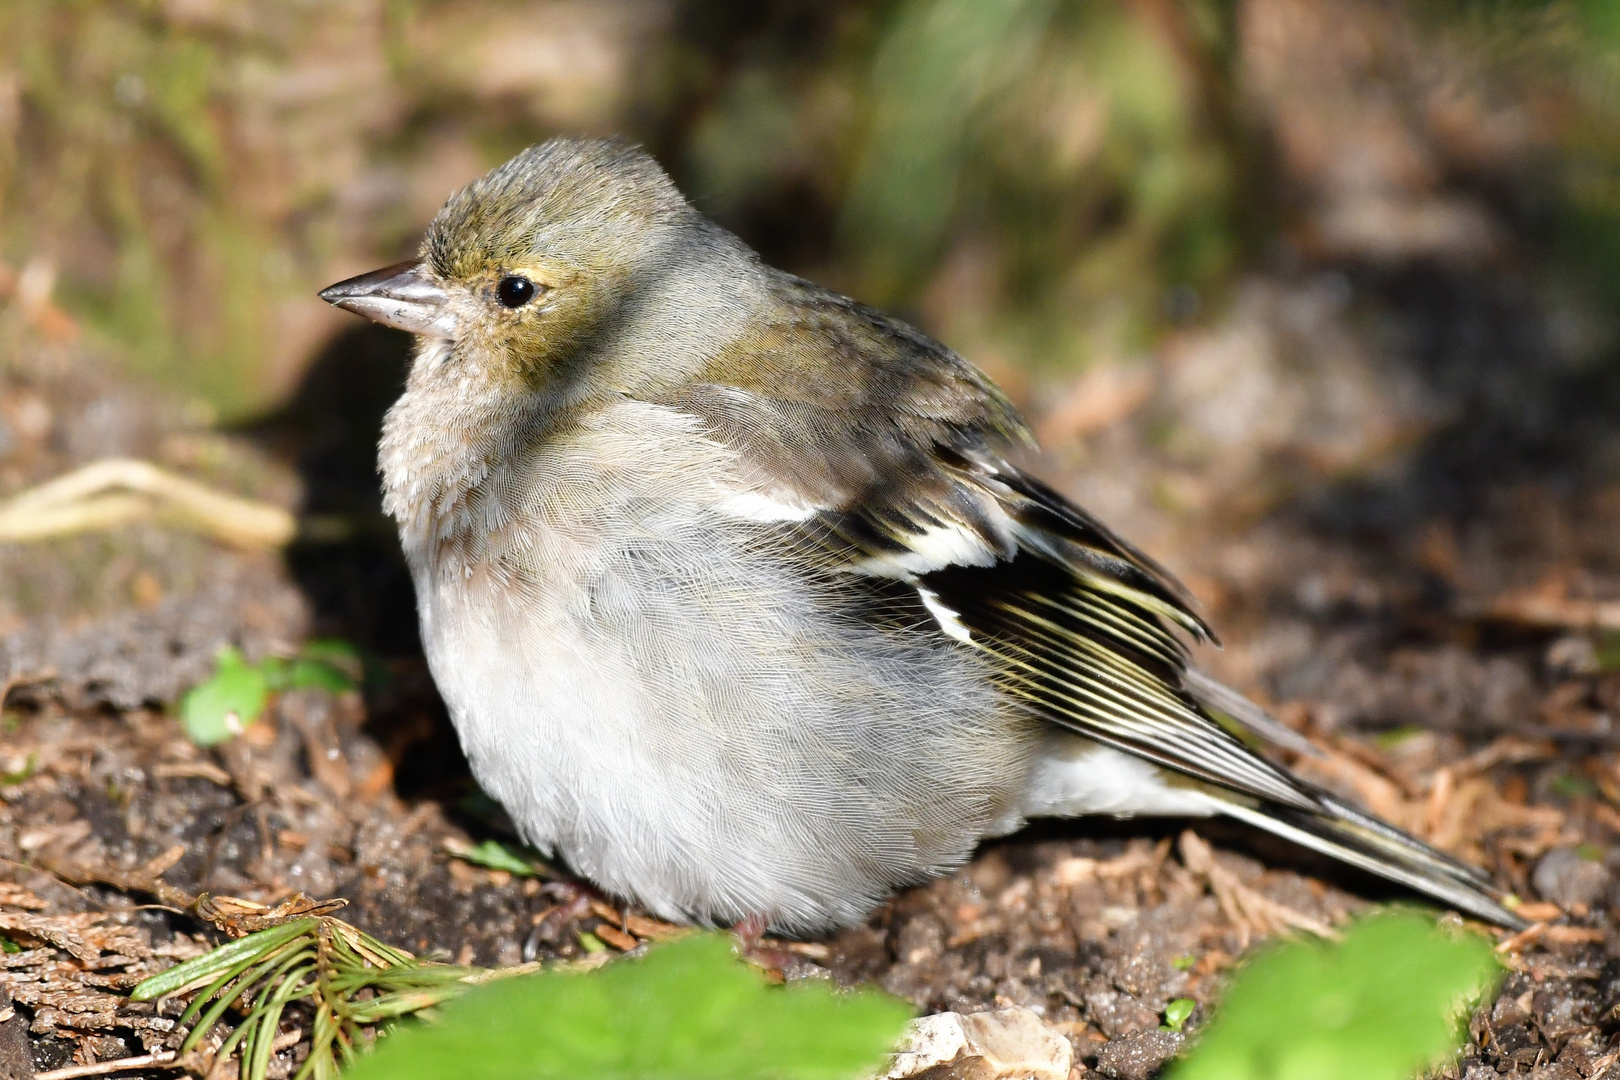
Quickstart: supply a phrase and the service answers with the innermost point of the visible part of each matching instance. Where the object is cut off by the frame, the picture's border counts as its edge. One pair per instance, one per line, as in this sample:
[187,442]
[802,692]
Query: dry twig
[161,1059]
[117,491]
[1247,909]
[1547,608]
[143,879]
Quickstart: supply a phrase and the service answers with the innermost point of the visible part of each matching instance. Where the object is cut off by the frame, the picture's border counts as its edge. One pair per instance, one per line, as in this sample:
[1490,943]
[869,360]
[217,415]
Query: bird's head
[540,260]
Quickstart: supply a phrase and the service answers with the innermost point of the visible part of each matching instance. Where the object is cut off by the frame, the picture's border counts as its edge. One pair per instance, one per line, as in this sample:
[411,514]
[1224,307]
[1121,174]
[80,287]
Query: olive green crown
[575,199]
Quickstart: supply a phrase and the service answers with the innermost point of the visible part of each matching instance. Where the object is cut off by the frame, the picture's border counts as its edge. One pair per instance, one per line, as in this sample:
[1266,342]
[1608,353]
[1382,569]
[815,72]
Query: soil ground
[1432,606]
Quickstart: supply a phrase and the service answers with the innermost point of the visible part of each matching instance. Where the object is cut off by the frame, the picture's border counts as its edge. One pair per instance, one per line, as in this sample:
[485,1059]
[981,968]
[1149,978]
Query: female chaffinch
[734,596]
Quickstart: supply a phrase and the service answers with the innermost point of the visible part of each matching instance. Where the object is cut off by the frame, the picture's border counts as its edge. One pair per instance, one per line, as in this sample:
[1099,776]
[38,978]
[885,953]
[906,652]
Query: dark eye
[514,291]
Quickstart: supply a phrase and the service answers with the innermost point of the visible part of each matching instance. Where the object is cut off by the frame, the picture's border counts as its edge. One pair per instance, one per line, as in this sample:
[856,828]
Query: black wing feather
[1083,628]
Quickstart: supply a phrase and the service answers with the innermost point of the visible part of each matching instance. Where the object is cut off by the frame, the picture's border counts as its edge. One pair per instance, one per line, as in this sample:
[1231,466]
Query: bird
[734,593]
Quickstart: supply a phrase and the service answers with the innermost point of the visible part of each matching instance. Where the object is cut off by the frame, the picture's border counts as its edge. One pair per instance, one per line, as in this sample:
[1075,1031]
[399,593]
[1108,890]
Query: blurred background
[1313,298]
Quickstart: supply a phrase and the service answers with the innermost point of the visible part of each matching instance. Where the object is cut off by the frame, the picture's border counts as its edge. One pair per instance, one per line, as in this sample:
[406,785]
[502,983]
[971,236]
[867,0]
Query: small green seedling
[16,776]
[1176,1013]
[1394,737]
[349,981]
[495,855]
[234,697]
[321,664]
[223,707]
[1384,1004]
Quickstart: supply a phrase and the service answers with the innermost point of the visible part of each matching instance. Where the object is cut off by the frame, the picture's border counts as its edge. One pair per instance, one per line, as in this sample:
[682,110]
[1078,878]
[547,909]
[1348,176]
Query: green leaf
[222,707]
[275,670]
[327,664]
[1608,652]
[1394,737]
[235,696]
[30,766]
[317,674]
[688,1010]
[496,856]
[202,969]
[1176,1013]
[1573,787]
[1382,1005]
[334,653]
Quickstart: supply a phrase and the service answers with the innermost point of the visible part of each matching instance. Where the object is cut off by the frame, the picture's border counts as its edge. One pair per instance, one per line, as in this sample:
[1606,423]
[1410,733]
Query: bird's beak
[401,296]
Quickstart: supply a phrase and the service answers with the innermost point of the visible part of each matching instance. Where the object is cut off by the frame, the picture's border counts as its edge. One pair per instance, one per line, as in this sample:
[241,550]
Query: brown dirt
[1438,629]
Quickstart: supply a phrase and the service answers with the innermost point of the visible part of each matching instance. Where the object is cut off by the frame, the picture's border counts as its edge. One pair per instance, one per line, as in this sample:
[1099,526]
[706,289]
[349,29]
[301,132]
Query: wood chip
[18,896]
[1557,935]
[377,781]
[605,911]
[616,937]
[192,770]
[810,950]
[162,864]
[653,929]
[1548,609]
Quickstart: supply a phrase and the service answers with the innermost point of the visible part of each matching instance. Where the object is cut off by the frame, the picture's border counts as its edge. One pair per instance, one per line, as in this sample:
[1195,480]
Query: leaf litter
[114,826]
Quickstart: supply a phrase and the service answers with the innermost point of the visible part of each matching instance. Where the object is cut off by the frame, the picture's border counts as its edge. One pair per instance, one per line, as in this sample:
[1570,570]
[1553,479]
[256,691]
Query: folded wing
[892,467]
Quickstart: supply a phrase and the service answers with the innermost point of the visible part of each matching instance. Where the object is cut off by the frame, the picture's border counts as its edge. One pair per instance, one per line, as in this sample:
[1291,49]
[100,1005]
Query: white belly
[696,723]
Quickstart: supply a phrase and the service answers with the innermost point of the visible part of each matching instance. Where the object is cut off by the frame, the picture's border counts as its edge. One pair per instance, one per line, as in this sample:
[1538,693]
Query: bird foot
[754,947]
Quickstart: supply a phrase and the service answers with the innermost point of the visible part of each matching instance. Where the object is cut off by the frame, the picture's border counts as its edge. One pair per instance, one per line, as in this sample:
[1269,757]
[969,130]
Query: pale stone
[1007,1044]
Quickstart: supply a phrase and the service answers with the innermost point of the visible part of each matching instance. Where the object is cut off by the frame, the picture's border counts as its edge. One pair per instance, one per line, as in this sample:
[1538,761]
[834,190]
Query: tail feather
[1222,700]
[1344,833]
[1355,819]
[1339,830]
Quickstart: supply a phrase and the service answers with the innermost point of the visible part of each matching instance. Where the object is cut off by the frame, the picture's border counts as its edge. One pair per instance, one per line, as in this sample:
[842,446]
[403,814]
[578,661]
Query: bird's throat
[453,428]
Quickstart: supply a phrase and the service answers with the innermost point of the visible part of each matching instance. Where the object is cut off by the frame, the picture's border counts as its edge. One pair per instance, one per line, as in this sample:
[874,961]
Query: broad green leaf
[1382,1005]
[233,698]
[688,1010]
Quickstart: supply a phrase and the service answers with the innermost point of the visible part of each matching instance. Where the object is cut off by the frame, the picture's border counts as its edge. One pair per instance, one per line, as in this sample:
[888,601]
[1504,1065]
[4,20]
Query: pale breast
[689,713]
